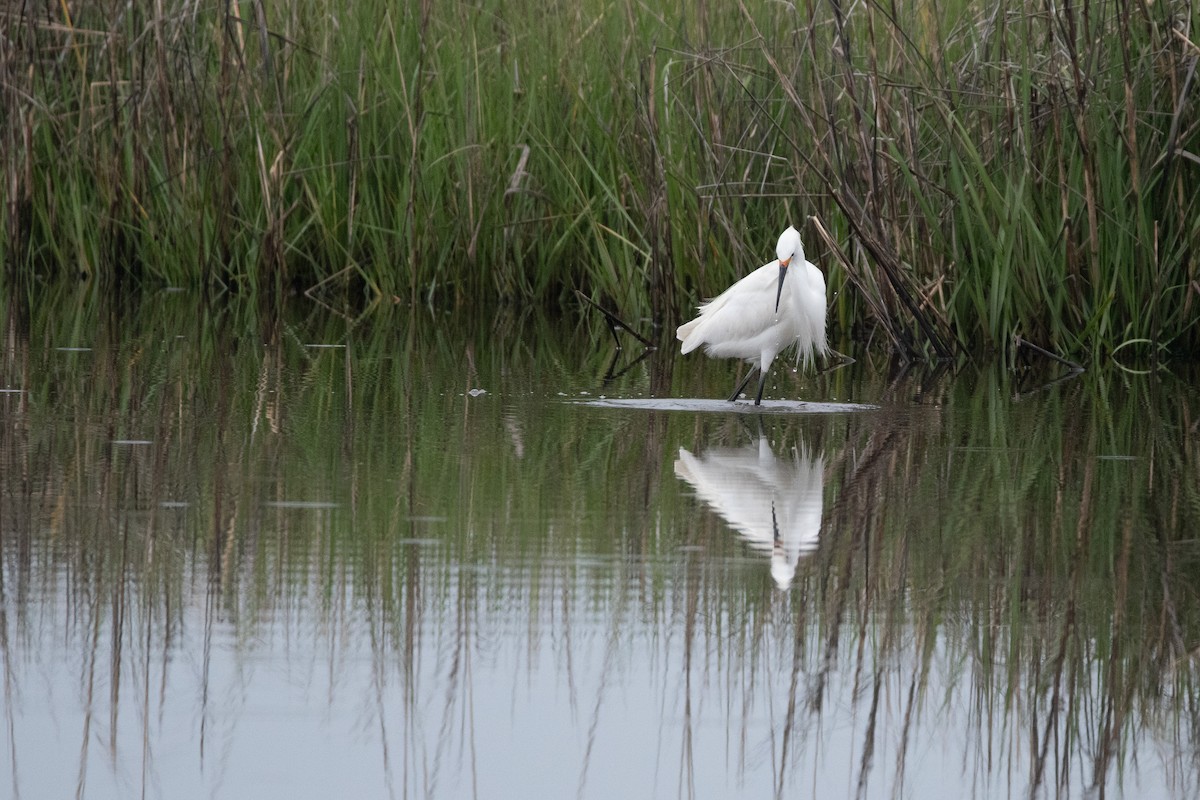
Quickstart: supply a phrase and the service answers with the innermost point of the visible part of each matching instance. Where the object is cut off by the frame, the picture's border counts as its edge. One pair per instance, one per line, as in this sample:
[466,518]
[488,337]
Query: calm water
[411,557]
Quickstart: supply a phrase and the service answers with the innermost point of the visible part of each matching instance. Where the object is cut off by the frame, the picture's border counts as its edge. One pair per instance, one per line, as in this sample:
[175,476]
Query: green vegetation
[1023,170]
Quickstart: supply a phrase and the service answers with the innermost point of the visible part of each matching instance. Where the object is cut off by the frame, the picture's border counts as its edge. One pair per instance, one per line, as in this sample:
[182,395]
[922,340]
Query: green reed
[963,173]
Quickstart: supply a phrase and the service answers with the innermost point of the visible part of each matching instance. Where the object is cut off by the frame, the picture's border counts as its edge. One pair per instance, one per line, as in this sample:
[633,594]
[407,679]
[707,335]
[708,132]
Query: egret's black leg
[742,385]
[762,381]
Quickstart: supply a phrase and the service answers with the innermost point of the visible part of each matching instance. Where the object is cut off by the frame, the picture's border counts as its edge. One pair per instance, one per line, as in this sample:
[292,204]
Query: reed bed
[965,173]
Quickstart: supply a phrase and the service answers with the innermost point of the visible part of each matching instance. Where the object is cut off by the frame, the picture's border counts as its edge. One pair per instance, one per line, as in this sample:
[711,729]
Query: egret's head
[789,246]
[786,249]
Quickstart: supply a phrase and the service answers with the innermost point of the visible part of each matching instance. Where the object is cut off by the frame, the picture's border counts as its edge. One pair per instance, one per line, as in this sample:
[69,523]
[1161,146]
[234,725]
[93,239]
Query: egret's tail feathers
[685,334]
[685,466]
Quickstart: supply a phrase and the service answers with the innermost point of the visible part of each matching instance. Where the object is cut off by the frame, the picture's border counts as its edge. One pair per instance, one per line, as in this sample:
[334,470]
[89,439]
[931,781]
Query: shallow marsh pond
[414,557]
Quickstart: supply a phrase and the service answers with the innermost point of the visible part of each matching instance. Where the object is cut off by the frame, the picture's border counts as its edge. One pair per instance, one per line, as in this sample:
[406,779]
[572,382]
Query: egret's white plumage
[775,504]
[779,304]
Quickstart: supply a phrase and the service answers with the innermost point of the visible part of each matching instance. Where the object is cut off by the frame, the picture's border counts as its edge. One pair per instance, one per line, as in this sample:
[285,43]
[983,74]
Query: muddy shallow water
[249,556]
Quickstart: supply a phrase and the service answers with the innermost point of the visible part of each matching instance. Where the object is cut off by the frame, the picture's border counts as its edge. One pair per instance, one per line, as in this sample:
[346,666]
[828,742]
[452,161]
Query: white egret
[762,314]
[775,504]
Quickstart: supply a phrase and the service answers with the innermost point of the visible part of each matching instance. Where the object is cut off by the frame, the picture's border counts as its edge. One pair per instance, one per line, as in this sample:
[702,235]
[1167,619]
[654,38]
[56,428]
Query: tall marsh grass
[966,173]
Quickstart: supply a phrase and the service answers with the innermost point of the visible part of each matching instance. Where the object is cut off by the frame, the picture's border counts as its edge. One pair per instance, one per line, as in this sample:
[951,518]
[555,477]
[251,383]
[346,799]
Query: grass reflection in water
[336,571]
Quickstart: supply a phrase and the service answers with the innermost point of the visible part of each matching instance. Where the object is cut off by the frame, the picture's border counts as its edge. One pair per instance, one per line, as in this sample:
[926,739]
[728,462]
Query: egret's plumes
[779,304]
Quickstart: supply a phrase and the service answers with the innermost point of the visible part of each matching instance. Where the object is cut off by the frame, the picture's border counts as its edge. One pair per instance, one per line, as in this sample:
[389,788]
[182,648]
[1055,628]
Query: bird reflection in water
[775,504]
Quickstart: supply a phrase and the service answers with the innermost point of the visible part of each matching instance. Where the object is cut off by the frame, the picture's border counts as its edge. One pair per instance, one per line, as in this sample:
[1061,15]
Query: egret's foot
[762,382]
[738,391]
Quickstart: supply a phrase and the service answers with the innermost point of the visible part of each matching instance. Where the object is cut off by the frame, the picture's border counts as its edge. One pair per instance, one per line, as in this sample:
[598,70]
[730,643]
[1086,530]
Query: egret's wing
[737,315]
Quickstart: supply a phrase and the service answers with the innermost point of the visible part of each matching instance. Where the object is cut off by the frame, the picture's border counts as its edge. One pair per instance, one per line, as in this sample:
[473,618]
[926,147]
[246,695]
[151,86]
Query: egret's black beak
[783,265]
